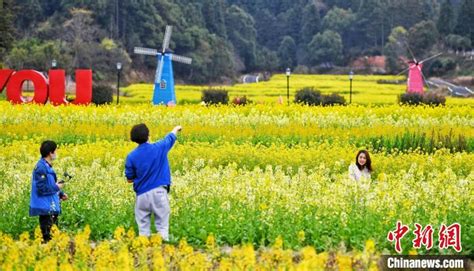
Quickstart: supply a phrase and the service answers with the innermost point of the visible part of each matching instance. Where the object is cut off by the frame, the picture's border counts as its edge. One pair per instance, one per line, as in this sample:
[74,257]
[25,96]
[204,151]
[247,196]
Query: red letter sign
[16,81]
[83,87]
[57,87]
[56,90]
[4,76]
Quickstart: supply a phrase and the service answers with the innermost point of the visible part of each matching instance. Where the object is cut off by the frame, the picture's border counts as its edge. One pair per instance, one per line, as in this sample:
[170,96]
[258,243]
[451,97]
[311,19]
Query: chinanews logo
[448,236]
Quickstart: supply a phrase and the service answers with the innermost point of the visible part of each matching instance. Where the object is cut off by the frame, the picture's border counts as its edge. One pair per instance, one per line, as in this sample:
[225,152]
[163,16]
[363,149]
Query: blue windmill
[163,92]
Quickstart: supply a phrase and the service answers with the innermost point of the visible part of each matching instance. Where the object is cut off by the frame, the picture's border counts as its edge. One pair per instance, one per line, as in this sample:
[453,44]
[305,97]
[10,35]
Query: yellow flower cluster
[258,124]
[128,252]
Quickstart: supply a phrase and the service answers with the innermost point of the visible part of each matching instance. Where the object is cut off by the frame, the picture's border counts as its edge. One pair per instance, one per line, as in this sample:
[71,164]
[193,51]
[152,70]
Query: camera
[66,176]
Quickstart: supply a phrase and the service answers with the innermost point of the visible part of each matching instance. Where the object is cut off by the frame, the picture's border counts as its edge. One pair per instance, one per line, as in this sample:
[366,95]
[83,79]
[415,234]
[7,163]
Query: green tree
[457,42]
[34,54]
[287,52]
[28,15]
[338,20]
[266,27]
[445,23]
[465,22]
[311,23]
[325,47]
[267,60]
[213,12]
[6,29]
[242,34]
[396,47]
[370,24]
[422,37]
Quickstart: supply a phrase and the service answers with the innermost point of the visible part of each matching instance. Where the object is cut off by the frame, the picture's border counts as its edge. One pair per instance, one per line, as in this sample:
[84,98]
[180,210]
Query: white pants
[154,202]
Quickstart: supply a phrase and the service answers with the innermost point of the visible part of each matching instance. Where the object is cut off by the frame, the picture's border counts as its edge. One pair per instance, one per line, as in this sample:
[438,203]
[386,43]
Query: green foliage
[395,47]
[227,36]
[34,54]
[311,23]
[435,99]
[215,96]
[446,18]
[333,99]
[422,37]
[441,66]
[325,47]
[287,52]
[411,98]
[242,34]
[465,23]
[102,94]
[429,98]
[6,28]
[457,42]
[338,20]
[308,96]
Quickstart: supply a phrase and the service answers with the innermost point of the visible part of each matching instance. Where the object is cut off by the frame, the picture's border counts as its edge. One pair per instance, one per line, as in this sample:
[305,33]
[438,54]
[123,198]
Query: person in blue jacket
[46,190]
[148,169]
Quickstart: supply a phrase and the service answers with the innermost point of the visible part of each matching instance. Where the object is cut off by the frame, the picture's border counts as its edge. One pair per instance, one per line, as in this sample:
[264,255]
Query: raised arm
[168,141]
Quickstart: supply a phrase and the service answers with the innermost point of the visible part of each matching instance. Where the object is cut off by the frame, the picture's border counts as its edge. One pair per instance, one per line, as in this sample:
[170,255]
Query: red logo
[397,235]
[53,87]
[448,236]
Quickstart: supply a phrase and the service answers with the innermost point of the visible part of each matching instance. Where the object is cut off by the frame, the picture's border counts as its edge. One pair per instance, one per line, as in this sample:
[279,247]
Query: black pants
[46,222]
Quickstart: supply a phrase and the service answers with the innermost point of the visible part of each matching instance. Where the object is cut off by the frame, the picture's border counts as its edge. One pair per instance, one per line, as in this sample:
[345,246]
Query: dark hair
[47,147]
[139,133]
[368,163]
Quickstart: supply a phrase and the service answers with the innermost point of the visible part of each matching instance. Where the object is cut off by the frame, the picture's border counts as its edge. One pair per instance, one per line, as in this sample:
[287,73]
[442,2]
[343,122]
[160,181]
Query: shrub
[435,99]
[241,100]
[215,96]
[309,96]
[411,98]
[333,99]
[102,94]
[430,98]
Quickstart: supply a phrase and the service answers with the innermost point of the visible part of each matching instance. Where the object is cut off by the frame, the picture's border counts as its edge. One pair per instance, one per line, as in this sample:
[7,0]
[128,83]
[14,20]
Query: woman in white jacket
[362,167]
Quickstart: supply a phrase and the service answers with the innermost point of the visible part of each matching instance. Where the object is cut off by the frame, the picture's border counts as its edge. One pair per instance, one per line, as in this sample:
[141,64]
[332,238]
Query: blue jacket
[148,166]
[44,191]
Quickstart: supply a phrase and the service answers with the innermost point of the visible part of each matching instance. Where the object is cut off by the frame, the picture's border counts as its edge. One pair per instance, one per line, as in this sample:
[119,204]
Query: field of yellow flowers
[366,89]
[253,187]
[129,252]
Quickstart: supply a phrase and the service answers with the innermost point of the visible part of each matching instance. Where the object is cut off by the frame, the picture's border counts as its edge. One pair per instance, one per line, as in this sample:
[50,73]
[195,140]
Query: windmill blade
[402,71]
[159,71]
[145,51]
[411,52]
[431,57]
[182,59]
[166,40]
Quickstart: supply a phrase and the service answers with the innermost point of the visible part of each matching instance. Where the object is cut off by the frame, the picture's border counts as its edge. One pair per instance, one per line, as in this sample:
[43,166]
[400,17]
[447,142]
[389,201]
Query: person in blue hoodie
[46,190]
[147,167]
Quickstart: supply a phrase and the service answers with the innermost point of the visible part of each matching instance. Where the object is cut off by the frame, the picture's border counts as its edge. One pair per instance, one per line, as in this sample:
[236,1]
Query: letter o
[14,92]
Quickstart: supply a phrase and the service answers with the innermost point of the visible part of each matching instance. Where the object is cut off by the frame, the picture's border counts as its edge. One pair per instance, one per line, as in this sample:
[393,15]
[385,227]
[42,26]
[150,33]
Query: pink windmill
[416,78]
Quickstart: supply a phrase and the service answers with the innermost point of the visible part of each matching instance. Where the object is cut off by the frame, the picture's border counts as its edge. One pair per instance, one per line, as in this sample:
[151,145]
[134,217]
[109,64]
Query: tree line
[228,37]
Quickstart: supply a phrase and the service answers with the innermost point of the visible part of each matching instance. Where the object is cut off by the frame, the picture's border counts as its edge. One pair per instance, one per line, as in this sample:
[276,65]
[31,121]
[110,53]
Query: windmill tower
[163,92]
